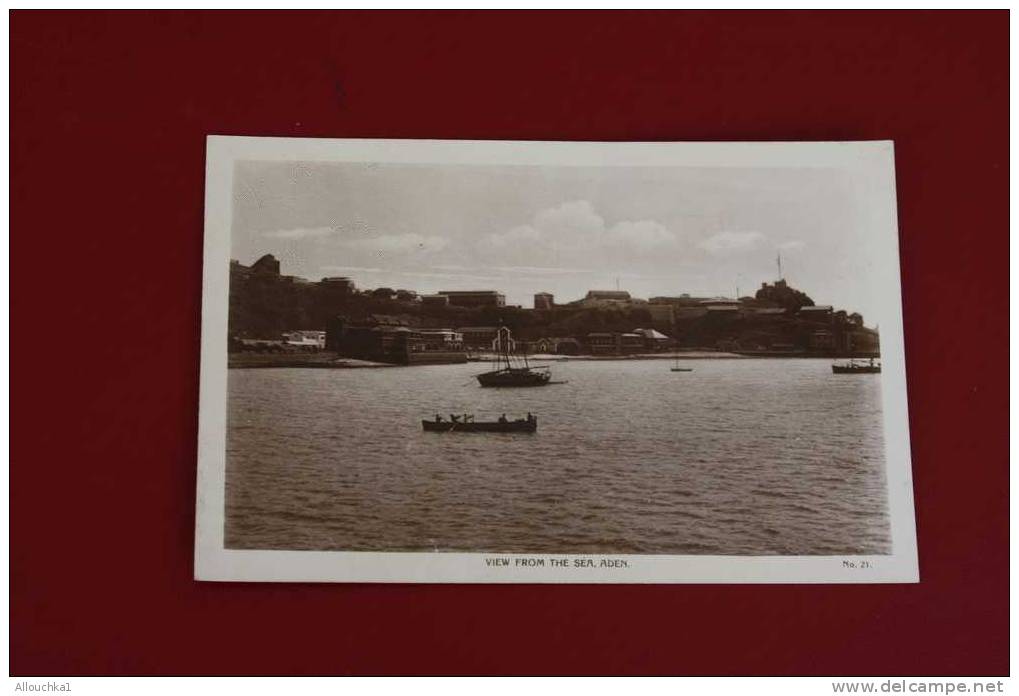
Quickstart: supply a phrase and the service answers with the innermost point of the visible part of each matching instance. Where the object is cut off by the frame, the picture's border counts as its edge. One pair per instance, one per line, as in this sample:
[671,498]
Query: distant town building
[379,341]
[600,343]
[544,300]
[781,294]
[479,337]
[816,313]
[446,339]
[721,305]
[684,300]
[474,298]
[606,343]
[310,340]
[653,340]
[433,301]
[607,296]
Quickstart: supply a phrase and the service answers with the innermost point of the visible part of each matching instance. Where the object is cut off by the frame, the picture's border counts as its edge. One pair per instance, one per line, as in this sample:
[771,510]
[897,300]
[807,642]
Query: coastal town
[276,319]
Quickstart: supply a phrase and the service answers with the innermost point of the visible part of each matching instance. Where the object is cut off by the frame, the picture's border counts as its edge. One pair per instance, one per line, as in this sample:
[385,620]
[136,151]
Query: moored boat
[853,367]
[508,375]
[678,368]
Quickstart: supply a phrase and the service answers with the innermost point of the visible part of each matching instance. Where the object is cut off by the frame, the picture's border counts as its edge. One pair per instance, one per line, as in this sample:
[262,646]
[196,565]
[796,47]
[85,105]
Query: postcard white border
[875,160]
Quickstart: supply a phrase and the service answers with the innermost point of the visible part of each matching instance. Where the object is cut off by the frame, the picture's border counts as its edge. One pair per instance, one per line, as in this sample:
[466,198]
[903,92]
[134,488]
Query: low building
[483,337]
[606,298]
[684,300]
[602,343]
[653,340]
[442,339]
[542,345]
[720,304]
[434,301]
[389,343]
[631,343]
[817,313]
[306,340]
[474,298]
[544,300]
[609,295]
[612,343]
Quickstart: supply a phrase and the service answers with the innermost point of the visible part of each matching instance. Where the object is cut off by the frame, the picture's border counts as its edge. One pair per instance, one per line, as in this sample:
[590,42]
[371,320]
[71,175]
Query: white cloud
[645,235]
[523,234]
[572,217]
[400,243]
[550,270]
[732,242]
[300,233]
[577,234]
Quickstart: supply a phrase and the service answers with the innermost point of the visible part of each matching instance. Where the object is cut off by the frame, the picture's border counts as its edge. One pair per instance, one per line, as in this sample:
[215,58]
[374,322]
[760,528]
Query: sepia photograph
[552,362]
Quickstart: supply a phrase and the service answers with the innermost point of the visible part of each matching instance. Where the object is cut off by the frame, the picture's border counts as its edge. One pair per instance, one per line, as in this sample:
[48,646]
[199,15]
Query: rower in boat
[468,424]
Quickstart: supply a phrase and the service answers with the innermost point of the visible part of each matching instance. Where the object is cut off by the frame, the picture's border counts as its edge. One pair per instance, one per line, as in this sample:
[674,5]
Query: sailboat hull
[514,378]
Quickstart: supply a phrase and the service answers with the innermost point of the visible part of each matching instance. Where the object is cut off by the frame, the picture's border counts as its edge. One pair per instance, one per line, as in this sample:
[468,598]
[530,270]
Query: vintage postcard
[463,361]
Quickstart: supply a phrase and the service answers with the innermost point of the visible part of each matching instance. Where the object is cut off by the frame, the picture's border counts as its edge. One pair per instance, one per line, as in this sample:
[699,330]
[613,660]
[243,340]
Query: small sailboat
[676,367]
[507,374]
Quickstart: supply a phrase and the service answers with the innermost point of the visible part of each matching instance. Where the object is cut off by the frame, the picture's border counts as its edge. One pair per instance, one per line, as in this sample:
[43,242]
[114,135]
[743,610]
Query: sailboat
[508,375]
[677,368]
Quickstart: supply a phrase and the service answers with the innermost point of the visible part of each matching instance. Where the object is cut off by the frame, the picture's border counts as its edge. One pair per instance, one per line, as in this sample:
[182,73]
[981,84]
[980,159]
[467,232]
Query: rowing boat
[517,426]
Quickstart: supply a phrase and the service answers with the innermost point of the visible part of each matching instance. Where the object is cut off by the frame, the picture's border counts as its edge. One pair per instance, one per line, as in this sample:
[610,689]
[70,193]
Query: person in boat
[530,417]
[455,418]
[438,418]
[502,418]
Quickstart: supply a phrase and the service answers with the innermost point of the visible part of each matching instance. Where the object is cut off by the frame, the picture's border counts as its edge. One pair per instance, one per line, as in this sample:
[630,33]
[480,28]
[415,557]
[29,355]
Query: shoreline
[693,355]
[332,361]
[320,361]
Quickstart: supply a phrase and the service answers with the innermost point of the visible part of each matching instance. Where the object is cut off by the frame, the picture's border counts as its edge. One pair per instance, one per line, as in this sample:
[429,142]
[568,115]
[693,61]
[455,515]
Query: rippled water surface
[736,457]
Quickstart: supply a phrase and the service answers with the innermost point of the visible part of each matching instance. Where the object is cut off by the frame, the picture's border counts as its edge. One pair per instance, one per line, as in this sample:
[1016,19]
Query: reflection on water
[737,457]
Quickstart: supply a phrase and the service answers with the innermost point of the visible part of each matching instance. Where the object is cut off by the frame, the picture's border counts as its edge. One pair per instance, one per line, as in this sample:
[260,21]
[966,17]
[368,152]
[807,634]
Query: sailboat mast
[504,341]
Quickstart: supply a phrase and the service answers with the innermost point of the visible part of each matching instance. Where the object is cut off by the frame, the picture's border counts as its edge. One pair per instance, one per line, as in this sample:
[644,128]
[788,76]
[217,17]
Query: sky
[565,230]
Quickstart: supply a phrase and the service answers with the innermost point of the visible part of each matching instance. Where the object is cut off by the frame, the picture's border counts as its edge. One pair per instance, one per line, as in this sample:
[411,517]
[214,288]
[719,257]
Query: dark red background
[108,118]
